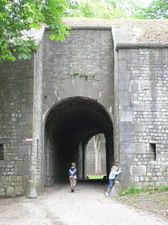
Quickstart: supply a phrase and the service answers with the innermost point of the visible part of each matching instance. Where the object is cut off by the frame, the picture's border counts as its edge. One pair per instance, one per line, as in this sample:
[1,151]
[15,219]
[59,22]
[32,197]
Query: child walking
[115,171]
[73,176]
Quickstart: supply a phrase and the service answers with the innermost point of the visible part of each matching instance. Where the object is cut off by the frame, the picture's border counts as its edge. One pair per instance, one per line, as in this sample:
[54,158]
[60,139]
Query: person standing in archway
[73,176]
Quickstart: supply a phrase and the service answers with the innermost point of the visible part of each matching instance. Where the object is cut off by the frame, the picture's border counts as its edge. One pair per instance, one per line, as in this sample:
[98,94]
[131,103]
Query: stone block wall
[37,148]
[134,91]
[82,65]
[16,111]
[143,103]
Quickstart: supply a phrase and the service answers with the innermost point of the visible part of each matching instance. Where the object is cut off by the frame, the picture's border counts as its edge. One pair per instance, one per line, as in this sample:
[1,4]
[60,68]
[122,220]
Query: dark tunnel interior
[70,125]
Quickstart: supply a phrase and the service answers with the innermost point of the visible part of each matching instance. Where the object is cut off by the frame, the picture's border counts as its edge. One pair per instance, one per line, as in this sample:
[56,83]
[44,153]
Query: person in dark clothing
[73,176]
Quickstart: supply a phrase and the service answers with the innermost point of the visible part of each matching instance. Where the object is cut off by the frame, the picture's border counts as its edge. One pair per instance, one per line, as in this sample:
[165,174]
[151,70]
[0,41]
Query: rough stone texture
[137,30]
[126,81]
[16,104]
[76,55]
[38,148]
[63,60]
[143,106]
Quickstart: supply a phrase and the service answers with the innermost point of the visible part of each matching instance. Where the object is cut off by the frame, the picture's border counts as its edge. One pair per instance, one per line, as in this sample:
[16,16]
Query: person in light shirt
[113,176]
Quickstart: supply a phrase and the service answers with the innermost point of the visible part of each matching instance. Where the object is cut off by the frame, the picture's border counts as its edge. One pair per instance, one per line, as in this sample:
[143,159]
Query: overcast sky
[145,2]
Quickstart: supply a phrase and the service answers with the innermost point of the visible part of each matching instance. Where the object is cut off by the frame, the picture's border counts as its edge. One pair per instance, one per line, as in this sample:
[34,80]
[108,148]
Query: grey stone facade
[16,125]
[75,68]
[143,113]
[96,81]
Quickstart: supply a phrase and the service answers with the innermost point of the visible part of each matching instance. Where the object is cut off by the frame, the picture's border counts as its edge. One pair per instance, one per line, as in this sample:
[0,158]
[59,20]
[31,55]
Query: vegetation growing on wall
[82,75]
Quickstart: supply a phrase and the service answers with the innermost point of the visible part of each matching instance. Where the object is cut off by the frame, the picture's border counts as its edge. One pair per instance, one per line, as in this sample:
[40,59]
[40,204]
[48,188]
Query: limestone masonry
[101,79]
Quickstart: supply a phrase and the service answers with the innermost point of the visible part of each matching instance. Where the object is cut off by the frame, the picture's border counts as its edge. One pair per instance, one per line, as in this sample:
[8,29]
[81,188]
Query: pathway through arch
[86,206]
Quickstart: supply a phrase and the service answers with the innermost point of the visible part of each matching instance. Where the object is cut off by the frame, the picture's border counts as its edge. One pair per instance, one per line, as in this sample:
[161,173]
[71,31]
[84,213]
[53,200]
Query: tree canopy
[119,9]
[96,9]
[18,16]
[104,9]
[158,9]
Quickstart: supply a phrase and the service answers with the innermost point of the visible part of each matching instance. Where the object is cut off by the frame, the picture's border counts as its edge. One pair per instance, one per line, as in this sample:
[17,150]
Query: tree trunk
[97,143]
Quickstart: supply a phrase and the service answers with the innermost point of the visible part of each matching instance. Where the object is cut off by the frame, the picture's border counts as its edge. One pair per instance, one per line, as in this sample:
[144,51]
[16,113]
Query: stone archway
[69,126]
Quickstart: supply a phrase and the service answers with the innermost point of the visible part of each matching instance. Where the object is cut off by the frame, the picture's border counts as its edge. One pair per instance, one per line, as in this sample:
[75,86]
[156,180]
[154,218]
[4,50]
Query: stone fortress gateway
[101,79]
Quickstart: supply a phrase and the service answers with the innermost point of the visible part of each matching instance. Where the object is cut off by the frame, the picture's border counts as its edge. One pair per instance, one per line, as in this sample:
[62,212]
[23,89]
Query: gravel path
[86,206]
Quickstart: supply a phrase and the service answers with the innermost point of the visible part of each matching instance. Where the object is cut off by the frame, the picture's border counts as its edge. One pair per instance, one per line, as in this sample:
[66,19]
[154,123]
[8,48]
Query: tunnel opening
[95,158]
[70,125]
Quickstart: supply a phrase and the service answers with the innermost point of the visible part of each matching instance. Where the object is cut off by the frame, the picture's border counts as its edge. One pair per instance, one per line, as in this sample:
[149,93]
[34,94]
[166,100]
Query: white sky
[145,3]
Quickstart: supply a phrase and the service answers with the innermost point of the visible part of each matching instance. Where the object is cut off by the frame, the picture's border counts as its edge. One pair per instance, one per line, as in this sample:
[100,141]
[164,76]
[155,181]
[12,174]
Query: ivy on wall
[81,75]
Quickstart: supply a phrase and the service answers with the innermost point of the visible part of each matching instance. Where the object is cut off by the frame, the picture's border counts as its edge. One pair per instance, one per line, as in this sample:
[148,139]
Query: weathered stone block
[139,126]
[141,179]
[138,170]
[4,178]
[149,174]
[28,86]
[2,192]
[126,116]
[126,129]
[19,190]
[10,191]
[133,148]
[136,179]
[147,179]
[19,178]
[31,191]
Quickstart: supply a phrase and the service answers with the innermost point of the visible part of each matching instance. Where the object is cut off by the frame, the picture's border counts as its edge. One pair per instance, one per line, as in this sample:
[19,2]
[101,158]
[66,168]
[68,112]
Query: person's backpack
[72,173]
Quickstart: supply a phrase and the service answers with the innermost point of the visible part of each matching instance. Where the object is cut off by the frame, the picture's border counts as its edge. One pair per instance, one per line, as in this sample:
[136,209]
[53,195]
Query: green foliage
[96,9]
[104,9]
[129,7]
[95,177]
[19,16]
[82,75]
[133,190]
[158,9]
[164,188]
[116,9]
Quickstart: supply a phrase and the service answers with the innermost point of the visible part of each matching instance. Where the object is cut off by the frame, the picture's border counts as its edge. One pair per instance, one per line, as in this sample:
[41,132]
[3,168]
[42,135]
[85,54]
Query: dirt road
[86,206]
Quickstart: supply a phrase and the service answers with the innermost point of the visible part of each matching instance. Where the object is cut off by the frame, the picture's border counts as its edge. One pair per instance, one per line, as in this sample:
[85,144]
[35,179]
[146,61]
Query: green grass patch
[133,190]
[96,177]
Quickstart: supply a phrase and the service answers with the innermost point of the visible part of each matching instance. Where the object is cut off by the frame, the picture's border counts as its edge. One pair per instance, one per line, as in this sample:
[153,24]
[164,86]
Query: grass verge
[95,177]
[134,190]
[153,200]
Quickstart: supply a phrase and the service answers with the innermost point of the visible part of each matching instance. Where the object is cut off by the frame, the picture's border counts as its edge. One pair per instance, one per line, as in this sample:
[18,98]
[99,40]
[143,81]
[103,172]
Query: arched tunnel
[70,124]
